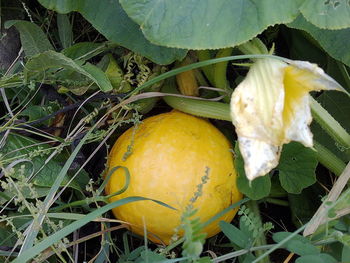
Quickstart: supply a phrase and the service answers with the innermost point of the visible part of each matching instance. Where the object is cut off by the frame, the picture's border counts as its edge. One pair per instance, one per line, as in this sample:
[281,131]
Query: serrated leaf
[334,42]
[298,244]
[33,39]
[207,24]
[258,188]
[109,18]
[235,235]
[297,167]
[54,60]
[319,258]
[327,14]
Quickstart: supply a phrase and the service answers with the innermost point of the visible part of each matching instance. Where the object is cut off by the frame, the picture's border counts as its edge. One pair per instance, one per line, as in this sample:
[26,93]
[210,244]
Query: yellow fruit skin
[169,157]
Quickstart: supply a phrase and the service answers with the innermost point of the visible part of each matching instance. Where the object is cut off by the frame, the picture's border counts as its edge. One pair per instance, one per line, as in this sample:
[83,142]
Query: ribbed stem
[329,159]
[330,125]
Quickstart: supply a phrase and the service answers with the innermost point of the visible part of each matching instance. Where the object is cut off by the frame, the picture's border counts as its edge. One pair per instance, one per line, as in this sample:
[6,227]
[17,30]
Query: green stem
[261,240]
[329,159]
[330,125]
[220,70]
[202,108]
[208,70]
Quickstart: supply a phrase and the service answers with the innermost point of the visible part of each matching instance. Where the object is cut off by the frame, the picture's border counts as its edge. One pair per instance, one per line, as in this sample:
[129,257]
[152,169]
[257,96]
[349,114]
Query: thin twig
[321,215]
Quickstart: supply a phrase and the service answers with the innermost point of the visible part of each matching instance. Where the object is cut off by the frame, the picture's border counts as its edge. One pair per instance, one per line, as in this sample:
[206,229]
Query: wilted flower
[270,107]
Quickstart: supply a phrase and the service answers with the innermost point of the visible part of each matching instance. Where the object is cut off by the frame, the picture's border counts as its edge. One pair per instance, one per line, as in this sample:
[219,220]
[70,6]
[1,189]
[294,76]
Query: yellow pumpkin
[170,155]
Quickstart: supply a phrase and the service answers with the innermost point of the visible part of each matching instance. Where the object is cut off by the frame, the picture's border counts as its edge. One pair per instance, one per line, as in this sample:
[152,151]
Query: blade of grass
[35,226]
[198,65]
[51,240]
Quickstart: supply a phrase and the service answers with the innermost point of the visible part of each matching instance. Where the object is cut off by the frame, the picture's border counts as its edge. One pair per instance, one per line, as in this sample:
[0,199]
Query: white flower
[270,107]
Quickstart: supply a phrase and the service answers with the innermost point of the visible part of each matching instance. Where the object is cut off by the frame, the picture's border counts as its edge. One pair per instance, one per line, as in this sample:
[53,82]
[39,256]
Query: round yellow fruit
[170,154]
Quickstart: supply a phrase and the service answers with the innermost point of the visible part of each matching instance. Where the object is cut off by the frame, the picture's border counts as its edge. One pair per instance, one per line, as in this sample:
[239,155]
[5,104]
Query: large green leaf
[204,24]
[327,14]
[54,60]
[33,39]
[110,20]
[334,42]
[297,167]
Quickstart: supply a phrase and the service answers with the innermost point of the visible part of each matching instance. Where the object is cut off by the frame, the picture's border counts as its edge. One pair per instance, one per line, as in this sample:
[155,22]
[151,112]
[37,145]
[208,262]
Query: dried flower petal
[270,107]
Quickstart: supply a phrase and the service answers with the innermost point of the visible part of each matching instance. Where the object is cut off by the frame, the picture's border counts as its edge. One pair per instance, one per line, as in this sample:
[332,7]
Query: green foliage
[85,50]
[64,30]
[329,14]
[332,41]
[292,179]
[54,60]
[235,235]
[42,218]
[33,39]
[319,258]
[298,244]
[297,167]
[52,239]
[345,257]
[20,150]
[35,112]
[110,19]
[305,204]
[193,227]
[207,24]
[339,107]
[253,223]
